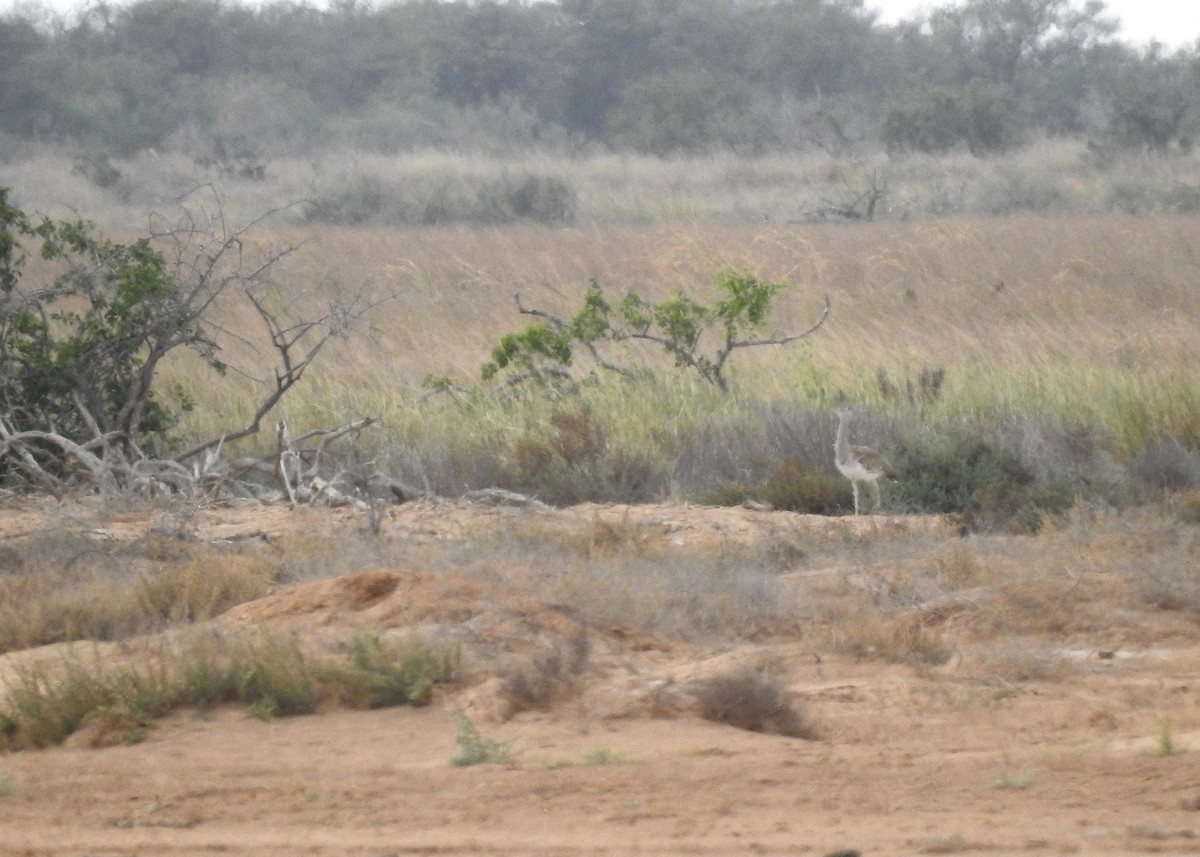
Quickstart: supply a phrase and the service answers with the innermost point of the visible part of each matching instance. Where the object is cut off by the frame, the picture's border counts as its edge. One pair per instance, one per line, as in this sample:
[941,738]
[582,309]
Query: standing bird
[859,463]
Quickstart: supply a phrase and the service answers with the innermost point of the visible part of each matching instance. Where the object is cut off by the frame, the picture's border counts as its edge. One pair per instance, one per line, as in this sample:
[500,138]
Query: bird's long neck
[841,449]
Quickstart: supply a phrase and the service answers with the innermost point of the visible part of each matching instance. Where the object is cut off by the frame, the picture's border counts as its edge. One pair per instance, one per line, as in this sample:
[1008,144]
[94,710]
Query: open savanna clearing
[958,694]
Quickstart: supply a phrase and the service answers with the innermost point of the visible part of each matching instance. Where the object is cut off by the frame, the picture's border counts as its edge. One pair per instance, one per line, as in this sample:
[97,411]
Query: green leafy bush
[967,475]
[79,355]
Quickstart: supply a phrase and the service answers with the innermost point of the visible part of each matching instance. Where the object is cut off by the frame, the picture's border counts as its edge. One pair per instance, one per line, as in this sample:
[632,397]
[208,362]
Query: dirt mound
[377,599]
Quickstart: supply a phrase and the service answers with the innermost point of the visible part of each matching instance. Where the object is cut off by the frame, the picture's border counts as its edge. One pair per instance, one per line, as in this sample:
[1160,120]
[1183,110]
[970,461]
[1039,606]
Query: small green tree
[1154,106]
[78,356]
[930,122]
[80,347]
[697,336]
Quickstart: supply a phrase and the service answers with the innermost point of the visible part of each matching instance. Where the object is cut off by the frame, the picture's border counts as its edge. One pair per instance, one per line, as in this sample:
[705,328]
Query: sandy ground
[909,760]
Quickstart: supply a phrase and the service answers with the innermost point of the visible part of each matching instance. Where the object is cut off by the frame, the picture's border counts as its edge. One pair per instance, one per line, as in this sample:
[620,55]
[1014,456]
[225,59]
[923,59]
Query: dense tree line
[233,82]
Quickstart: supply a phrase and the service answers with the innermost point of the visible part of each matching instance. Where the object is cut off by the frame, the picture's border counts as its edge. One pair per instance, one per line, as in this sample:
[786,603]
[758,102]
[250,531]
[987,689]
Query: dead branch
[101,474]
[791,337]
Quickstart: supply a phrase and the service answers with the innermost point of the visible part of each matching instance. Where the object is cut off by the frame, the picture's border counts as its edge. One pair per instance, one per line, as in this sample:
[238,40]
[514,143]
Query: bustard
[859,463]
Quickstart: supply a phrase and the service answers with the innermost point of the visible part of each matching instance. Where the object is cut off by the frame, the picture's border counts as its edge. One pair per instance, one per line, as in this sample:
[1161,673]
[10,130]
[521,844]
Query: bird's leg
[854,486]
[878,495]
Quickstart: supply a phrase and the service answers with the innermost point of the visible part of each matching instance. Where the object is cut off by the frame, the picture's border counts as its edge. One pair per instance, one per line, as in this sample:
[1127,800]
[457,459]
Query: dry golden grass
[1088,319]
[1083,318]
[70,586]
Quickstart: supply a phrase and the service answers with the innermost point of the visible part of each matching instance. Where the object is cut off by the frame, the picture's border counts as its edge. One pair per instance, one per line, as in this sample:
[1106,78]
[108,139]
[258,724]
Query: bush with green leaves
[981,480]
[78,355]
[81,340]
[382,673]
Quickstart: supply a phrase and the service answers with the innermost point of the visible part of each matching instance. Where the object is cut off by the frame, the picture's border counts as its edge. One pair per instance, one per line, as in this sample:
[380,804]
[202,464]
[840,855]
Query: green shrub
[46,701]
[76,358]
[969,476]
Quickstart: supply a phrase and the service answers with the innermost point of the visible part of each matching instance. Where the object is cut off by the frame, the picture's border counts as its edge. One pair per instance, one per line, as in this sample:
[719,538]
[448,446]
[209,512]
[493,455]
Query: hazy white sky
[1175,23]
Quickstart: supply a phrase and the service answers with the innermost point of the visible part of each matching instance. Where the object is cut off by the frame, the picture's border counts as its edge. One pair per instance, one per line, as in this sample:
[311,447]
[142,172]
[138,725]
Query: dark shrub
[751,700]
[969,476]
[1168,466]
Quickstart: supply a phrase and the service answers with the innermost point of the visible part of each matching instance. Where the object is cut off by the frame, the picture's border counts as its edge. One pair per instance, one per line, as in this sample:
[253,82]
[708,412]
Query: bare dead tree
[860,205]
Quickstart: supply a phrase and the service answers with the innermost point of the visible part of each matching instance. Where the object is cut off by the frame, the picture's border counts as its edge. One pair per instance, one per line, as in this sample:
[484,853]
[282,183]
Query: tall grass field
[1048,349]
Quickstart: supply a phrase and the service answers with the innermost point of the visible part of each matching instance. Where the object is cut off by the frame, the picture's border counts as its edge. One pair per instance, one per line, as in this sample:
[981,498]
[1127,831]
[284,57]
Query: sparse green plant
[600,755]
[1014,780]
[1165,742]
[474,748]
[8,782]
[263,709]
[46,701]
[273,672]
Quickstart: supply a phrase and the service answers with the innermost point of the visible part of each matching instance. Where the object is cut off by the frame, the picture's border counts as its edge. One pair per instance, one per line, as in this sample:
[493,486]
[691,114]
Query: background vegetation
[1007,367]
[236,85]
[452,154]
[1015,317]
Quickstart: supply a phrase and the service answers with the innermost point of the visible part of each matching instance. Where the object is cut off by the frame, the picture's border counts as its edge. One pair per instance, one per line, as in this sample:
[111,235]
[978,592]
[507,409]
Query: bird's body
[859,463]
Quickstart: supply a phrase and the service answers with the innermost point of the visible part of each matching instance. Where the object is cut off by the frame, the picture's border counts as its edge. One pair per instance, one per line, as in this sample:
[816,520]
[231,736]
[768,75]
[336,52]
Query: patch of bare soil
[909,759]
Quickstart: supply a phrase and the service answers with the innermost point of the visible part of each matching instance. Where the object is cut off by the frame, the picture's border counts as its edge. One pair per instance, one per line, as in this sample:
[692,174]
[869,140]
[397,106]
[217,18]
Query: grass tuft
[46,701]
[382,673]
